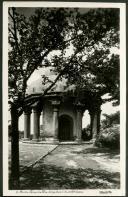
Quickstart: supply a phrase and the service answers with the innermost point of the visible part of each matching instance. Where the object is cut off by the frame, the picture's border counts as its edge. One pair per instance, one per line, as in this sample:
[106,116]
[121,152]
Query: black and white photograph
[64,106]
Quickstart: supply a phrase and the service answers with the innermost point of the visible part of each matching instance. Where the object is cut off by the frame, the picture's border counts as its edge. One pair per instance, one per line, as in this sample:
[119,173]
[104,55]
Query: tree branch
[12,33]
[10,14]
[63,71]
[37,63]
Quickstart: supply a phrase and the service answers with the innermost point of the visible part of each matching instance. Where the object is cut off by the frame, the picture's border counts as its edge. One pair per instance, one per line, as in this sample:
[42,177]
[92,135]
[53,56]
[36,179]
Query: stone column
[91,122]
[43,122]
[36,124]
[79,116]
[94,126]
[55,119]
[42,116]
[98,120]
[95,122]
[27,114]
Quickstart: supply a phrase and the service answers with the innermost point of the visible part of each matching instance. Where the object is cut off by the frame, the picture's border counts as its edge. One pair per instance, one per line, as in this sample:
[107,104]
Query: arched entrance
[65,128]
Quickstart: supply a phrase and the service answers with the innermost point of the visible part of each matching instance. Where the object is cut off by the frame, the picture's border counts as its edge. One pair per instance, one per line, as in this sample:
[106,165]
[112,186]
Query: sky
[28,11]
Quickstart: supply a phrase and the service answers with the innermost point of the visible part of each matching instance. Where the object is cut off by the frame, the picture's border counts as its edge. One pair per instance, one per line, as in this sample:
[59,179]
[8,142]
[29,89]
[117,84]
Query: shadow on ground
[110,153]
[51,177]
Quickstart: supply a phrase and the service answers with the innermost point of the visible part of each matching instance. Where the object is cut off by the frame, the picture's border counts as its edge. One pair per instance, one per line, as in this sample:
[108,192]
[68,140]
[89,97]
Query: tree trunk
[14,149]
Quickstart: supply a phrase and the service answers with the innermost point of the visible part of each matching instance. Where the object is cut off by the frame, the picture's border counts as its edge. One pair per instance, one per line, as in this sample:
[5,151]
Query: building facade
[62,117]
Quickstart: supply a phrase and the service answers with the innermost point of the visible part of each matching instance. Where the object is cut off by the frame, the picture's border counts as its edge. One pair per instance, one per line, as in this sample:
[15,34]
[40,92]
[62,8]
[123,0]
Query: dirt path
[29,154]
[74,167]
[84,156]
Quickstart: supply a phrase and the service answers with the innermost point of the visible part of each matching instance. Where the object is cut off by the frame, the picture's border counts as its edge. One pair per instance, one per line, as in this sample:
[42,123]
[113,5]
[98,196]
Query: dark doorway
[65,128]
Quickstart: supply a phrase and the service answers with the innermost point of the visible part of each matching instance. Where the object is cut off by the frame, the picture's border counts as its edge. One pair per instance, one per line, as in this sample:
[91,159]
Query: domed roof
[38,87]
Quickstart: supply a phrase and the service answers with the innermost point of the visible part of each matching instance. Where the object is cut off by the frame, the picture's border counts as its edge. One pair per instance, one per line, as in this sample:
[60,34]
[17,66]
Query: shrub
[110,120]
[109,137]
[86,133]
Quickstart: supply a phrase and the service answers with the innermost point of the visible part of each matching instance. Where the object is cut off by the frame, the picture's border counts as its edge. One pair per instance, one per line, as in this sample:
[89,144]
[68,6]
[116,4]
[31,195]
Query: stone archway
[65,128]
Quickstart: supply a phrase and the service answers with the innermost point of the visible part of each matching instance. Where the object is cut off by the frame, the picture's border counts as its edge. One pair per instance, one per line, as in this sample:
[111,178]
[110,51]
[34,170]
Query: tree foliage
[110,119]
[88,37]
[30,42]
[93,65]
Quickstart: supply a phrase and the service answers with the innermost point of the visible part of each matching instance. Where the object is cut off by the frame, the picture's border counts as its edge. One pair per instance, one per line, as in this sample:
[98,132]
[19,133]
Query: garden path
[73,167]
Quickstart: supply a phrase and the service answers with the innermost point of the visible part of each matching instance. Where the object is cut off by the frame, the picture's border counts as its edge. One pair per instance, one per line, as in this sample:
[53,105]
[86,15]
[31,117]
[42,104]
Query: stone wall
[66,108]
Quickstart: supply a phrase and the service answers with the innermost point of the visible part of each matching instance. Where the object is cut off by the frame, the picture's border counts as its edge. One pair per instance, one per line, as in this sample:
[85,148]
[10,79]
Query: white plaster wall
[65,108]
[48,119]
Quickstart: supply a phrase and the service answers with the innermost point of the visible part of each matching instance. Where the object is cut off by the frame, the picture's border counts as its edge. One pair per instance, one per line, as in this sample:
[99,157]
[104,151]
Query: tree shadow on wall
[43,176]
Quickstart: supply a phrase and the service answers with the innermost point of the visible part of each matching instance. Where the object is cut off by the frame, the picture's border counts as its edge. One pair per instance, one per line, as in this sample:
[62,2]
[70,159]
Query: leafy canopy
[82,39]
[94,62]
